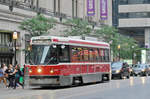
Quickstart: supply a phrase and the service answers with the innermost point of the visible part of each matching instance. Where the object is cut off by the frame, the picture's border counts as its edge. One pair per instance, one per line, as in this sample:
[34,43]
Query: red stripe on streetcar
[80,42]
[55,40]
[88,43]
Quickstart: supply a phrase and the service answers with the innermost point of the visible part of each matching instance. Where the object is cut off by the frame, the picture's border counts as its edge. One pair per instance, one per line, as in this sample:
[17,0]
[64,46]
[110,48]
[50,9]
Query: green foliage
[111,35]
[38,25]
[108,33]
[78,27]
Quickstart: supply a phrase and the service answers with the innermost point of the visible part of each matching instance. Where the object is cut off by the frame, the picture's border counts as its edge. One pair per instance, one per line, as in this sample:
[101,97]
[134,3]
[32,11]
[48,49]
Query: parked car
[141,69]
[120,69]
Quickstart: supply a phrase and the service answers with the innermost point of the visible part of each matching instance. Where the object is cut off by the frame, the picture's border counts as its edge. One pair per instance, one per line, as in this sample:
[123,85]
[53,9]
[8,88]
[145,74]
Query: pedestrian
[4,70]
[18,74]
[5,67]
[2,74]
[11,76]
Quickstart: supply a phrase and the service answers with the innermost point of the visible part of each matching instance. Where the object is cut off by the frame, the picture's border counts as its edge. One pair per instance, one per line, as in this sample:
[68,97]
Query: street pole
[132,57]
[15,37]
[15,54]
[119,51]
[132,54]
[119,54]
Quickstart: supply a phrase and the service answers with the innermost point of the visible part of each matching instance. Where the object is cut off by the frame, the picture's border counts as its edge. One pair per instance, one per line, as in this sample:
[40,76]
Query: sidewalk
[9,93]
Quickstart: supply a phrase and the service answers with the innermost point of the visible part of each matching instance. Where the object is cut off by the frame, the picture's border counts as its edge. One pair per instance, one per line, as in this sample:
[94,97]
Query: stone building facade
[132,17]
[13,12]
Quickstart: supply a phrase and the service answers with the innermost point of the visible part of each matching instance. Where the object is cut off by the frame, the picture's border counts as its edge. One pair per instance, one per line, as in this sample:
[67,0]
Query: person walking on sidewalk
[11,76]
[18,74]
[2,74]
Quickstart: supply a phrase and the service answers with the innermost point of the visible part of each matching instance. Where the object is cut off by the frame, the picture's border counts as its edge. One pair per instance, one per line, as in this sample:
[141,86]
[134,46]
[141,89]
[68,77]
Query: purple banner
[103,10]
[90,7]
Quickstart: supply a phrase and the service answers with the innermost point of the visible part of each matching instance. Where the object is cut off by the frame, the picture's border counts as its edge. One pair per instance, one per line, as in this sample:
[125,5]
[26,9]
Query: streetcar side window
[106,55]
[96,55]
[74,54]
[100,55]
[63,53]
[85,54]
[103,55]
[77,54]
[80,54]
[91,55]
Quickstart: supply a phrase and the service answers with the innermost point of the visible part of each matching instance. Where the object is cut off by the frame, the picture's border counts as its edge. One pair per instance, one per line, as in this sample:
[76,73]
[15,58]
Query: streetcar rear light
[51,71]
[39,70]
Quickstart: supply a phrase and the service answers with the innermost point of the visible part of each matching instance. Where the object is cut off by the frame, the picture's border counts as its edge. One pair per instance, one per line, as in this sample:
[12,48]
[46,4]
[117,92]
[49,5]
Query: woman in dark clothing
[11,76]
[18,74]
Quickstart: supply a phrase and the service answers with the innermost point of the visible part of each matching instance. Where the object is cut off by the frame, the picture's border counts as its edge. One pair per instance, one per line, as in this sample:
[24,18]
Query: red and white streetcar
[62,61]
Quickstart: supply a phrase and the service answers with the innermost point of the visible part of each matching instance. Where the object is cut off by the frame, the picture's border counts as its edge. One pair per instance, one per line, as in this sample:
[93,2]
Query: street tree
[110,34]
[107,33]
[38,25]
[78,26]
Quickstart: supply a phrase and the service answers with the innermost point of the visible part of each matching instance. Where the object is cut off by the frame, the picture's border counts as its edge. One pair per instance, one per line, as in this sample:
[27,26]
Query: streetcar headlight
[51,71]
[39,70]
[30,71]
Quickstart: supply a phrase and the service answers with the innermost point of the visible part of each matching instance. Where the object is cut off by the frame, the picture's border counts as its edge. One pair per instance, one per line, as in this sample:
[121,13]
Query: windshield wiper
[31,62]
[52,60]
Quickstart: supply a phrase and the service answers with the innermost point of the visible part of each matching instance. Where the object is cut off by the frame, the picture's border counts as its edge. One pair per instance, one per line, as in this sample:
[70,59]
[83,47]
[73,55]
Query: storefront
[6,48]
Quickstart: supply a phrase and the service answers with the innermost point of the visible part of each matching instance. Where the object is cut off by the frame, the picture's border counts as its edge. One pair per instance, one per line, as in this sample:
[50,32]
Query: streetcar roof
[70,41]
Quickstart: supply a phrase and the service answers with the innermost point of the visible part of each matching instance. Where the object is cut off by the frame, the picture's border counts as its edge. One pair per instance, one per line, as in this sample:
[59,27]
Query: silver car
[141,69]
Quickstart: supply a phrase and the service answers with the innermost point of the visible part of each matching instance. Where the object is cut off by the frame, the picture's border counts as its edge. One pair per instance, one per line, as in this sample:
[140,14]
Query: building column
[147,44]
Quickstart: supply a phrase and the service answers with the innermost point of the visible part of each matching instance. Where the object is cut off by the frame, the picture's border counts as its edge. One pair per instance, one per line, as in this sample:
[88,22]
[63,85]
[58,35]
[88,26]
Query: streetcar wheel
[77,81]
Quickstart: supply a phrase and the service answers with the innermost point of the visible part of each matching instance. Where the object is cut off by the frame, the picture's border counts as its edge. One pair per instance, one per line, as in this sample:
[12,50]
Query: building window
[5,38]
[135,15]
[123,2]
[54,6]
[74,8]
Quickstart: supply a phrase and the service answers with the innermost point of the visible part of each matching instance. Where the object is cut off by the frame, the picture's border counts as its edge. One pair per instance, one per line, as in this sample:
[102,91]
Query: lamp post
[119,51]
[111,55]
[15,37]
[132,54]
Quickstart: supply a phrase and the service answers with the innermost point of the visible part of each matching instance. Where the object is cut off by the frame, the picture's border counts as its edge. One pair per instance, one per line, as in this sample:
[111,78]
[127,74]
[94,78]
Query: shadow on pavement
[65,87]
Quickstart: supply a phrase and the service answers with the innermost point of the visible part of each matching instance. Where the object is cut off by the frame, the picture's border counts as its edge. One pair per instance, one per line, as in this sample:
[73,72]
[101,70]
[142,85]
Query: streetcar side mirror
[62,46]
[54,46]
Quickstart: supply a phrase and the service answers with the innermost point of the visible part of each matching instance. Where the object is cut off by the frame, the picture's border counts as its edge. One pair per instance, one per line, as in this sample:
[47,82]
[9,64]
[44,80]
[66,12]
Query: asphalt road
[133,88]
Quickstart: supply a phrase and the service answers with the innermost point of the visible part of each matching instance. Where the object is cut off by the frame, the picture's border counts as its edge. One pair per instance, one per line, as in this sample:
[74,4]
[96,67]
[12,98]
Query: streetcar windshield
[43,54]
